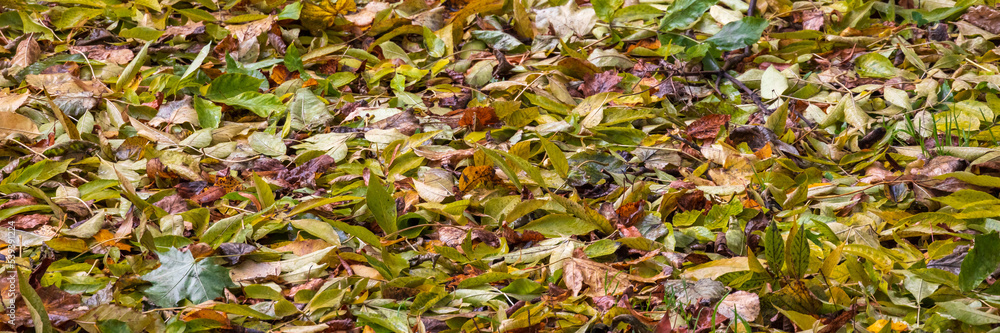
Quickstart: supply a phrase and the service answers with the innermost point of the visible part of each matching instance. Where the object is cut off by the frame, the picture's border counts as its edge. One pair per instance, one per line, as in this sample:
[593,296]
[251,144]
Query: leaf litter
[511,166]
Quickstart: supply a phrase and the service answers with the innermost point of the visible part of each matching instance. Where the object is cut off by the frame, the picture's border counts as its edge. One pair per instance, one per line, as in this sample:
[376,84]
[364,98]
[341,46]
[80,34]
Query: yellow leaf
[322,15]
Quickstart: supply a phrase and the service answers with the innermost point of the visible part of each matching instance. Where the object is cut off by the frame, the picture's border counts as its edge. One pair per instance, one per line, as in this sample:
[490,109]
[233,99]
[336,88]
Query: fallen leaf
[707,127]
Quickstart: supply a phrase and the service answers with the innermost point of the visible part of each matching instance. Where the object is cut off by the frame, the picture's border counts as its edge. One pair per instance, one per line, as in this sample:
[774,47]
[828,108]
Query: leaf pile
[500,165]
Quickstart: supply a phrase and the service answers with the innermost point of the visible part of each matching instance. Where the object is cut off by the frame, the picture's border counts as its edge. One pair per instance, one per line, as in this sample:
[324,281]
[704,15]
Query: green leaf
[876,256]
[113,326]
[606,8]
[557,225]
[198,60]
[34,303]
[293,61]
[209,114]
[774,247]
[230,85]
[483,279]
[180,277]
[797,252]
[382,205]
[533,172]
[981,261]
[966,314]
[264,193]
[499,40]
[75,16]
[966,198]
[263,105]
[133,68]
[556,156]
[875,65]
[360,232]
[392,51]
[291,12]
[197,14]
[143,33]
[738,34]
[425,300]
[499,161]
[267,144]
[683,13]
[307,110]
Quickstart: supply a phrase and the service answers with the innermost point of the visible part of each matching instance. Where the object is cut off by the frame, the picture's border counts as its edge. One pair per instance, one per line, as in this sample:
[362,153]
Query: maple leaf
[180,277]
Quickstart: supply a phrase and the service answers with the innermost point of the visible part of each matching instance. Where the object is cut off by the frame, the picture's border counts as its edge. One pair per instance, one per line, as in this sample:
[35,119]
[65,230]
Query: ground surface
[513,166]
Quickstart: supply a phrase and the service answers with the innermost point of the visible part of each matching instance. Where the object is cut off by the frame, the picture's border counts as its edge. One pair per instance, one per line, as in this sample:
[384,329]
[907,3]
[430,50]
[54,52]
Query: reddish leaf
[24,222]
[477,118]
[305,174]
[209,195]
[707,127]
[600,82]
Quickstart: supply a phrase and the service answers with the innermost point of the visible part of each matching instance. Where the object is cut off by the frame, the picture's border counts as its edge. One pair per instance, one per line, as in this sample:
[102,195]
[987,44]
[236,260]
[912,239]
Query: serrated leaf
[797,252]
[180,277]
[774,247]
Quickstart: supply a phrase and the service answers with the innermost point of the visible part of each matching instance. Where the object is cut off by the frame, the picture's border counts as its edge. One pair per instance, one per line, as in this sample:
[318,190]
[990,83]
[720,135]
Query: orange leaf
[107,239]
[206,314]
[474,176]
[478,118]
[630,213]
[764,152]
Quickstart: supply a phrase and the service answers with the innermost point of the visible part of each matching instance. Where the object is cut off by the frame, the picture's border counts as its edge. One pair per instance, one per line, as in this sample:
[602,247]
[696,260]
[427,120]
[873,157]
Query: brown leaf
[312,284]
[305,174]
[27,222]
[366,16]
[663,326]
[477,175]
[105,239]
[191,28]
[813,19]
[940,165]
[477,118]
[707,127]
[28,52]
[13,123]
[173,204]
[602,279]
[105,53]
[404,121]
[600,82]
[280,74]
[756,137]
[745,304]
[209,195]
[304,247]
[985,17]
[19,199]
[514,238]
[61,307]
[206,314]
[200,250]
[233,252]
[190,189]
